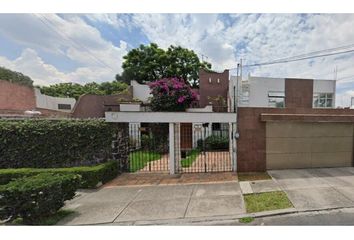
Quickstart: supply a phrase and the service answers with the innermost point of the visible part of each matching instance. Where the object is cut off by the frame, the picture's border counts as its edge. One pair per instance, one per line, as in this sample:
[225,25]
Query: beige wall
[304,145]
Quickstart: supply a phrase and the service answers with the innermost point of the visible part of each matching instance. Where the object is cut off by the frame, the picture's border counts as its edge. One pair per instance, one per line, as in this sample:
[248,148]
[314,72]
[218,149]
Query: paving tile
[264,186]
[165,192]
[224,189]
[297,179]
[215,206]
[246,187]
[154,210]
[113,194]
[346,191]
[317,198]
[93,213]
[335,177]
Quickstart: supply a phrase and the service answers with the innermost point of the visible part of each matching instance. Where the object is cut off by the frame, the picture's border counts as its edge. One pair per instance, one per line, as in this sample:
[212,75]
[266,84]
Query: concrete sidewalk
[317,189]
[212,203]
[127,205]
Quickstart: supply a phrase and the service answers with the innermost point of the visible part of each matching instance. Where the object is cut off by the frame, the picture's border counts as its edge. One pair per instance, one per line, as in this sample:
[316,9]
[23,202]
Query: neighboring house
[292,123]
[94,106]
[140,91]
[54,103]
[20,101]
[271,92]
[213,97]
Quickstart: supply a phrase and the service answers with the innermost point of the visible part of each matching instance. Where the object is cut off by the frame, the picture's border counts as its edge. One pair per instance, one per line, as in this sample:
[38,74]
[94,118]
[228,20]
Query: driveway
[134,205]
[324,188]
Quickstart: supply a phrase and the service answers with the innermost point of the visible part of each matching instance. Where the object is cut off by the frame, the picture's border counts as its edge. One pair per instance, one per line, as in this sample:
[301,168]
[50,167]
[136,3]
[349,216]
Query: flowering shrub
[171,94]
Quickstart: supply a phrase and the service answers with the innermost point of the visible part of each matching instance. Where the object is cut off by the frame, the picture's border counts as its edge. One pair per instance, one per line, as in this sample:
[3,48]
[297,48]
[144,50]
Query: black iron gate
[148,147]
[204,148]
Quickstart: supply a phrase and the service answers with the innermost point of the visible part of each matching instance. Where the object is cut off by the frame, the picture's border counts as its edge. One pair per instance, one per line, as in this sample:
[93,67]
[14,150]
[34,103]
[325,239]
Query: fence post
[172,148]
[234,147]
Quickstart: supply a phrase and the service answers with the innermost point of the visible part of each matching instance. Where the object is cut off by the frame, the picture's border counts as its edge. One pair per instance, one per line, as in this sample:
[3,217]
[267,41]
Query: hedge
[90,176]
[55,143]
[214,142]
[35,197]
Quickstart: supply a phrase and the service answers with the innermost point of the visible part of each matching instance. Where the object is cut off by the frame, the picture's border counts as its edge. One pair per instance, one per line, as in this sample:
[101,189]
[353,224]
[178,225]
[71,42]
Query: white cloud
[98,59]
[203,33]
[29,63]
[223,39]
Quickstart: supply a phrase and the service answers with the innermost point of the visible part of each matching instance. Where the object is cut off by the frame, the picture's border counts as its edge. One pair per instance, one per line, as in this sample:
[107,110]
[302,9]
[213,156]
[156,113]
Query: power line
[299,59]
[305,56]
[315,52]
[49,24]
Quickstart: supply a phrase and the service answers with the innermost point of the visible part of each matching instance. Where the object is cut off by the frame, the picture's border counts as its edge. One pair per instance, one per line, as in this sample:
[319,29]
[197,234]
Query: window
[216,126]
[276,99]
[323,100]
[64,106]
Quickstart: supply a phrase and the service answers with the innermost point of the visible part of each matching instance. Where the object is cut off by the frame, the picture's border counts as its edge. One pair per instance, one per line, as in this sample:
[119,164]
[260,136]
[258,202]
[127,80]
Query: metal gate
[204,147]
[199,147]
[179,142]
[148,147]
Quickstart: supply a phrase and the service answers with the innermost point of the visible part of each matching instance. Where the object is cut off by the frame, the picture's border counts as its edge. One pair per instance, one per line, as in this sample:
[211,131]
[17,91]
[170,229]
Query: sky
[81,48]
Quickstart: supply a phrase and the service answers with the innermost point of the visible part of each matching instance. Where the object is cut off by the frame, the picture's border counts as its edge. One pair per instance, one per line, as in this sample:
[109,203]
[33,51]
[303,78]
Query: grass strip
[140,159]
[259,202]
[191,157]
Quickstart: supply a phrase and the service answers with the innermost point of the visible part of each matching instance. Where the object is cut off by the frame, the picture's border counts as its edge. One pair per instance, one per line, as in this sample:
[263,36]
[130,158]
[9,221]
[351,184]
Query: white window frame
[326,98]
[276,95]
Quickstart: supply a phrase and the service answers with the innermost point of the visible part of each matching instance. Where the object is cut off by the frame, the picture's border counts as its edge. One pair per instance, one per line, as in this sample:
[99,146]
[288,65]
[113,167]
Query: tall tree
[15,77]
[75,90]
[149,63]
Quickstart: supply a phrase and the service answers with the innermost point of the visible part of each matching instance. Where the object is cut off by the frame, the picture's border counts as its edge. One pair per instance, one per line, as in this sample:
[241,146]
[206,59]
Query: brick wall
[251,152]
[94,106]
[213,89]
[16,97]
[298,93]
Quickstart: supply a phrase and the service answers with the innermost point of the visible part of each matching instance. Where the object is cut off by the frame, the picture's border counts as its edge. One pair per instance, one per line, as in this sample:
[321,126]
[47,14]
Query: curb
[224,218]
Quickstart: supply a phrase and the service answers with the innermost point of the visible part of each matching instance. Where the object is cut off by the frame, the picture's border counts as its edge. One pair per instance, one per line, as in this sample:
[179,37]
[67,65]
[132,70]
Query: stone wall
[121,147]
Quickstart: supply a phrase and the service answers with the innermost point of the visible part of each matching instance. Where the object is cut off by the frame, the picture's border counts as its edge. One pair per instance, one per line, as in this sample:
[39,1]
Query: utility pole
[236,86]
[241,69]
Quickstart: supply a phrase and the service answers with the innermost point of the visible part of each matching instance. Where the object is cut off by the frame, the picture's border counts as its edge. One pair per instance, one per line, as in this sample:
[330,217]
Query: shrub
[55,143]
[90,176]
[35,197]
[15,77]
[171,94]
[214,142]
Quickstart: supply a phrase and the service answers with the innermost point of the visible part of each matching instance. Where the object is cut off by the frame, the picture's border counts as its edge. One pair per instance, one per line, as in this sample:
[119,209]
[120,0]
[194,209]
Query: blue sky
[54,48]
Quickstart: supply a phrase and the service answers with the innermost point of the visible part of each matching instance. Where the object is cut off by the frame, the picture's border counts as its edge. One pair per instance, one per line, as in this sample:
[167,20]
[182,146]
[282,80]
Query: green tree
[15,77]
[149,63]
[75,90]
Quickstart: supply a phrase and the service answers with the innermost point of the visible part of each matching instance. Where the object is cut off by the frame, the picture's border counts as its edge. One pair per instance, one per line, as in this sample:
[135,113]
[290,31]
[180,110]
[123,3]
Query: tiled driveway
[317,188]
[131,205]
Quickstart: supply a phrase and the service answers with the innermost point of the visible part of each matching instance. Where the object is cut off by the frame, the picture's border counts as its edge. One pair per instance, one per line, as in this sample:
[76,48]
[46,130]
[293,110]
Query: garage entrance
[292,144]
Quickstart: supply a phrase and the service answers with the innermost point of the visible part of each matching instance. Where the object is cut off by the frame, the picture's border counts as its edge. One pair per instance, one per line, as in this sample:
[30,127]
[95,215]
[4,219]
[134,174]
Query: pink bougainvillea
[171,94]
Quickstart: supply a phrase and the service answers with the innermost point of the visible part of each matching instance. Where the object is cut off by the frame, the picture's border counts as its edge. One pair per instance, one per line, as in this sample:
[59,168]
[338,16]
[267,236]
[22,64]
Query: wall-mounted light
[218,80]
[209,80]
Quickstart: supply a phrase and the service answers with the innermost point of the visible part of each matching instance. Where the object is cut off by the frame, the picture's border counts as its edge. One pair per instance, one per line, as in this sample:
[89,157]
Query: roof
[93,106]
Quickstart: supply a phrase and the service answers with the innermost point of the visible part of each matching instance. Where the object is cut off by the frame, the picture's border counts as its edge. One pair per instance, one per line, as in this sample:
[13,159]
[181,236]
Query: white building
[270,92]
[53,103]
